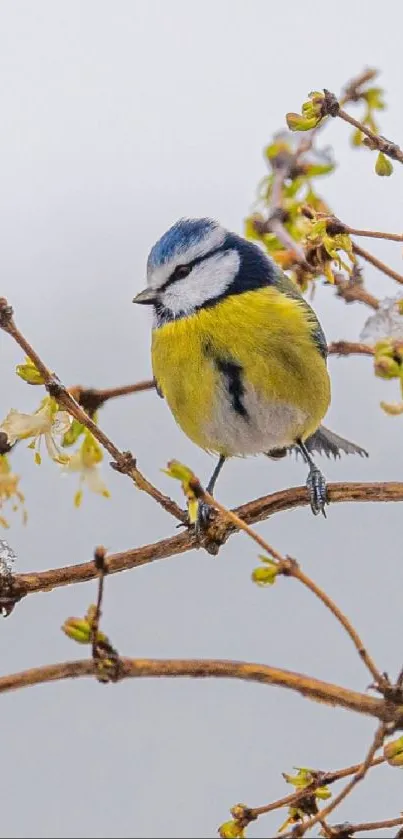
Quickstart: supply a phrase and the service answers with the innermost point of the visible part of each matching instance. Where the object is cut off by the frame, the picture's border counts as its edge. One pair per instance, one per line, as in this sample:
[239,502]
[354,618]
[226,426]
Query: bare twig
[359,775]
[91,398]
[377,263]
[391,150]
[320,779]
[354,291]
[290,568]
[99,561]
[349,348]
[315,689]
[373,234]
[349,829]
[124,461]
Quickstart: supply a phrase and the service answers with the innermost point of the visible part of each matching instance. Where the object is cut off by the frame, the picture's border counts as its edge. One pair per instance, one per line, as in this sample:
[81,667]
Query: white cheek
[208,280]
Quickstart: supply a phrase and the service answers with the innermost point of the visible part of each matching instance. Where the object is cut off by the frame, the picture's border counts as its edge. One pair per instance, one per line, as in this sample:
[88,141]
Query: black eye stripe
[189,265]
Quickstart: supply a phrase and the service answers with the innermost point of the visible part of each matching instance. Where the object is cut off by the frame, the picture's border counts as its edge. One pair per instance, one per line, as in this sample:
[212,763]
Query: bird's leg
[316,483]
[204,511]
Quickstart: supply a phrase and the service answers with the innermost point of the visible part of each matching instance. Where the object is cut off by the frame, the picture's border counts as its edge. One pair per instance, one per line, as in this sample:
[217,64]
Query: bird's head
[195,264]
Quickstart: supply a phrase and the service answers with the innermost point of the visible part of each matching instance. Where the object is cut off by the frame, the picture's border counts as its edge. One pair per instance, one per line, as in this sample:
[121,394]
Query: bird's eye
[181,271]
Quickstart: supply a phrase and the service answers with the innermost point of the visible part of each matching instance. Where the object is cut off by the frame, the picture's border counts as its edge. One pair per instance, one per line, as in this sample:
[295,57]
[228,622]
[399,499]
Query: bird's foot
[317,489]
[205,515]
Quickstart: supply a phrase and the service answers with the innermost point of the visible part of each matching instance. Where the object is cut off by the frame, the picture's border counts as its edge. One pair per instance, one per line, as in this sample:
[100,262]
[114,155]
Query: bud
[78,629]
[71,436]
[231,830]
[298,122]
[28,373]
[357,137]
[386,367]
[383,165]
[265,575]
[393,752]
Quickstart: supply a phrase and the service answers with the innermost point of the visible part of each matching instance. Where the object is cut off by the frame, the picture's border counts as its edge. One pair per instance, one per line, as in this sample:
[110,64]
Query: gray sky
[117,118]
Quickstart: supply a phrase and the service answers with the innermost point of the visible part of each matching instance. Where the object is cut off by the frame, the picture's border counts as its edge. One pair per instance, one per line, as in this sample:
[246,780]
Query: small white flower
[47,422]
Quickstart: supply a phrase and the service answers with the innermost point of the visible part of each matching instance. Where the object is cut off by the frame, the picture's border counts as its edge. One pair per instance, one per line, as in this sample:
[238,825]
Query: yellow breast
[270,337]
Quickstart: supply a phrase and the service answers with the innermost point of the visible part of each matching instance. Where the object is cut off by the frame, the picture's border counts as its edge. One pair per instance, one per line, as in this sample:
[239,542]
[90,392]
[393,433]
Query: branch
[320,778]
[391,150]
[323,779]
[290,568]
[91,399]
[124,461]
[371,234]
[349,348]
[377,263]
[322,814]
[352,291]
[348,829]
[132,668]
[218,533]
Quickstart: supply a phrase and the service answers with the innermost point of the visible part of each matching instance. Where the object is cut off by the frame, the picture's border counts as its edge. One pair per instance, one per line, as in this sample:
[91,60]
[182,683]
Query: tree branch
[322,814]
[320,778]
[349,348]
[377,263]
[387,147]
[218,533]
[290,568]
[91,398]
[348,829]
[124,461]
[129,668]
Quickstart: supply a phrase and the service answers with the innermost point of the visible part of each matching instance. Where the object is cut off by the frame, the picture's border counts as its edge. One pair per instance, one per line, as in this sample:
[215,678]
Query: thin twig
[322,779]
[220,530]
[91,398]
[100,565]
[350,829]
[373,234]
[377,263]
[353,291]
[315,689]
[325,812]
[124,461]
[391,150]
[349,348]
[290,568]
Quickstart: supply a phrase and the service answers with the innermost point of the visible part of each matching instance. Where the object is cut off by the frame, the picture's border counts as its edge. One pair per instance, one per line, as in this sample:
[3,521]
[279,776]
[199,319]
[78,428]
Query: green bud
[265,575]
[298,122]
[231,830]
[71,436]
[383,165]
[78,629]
[357,137]
[386,367]
[29,373]
[393,752]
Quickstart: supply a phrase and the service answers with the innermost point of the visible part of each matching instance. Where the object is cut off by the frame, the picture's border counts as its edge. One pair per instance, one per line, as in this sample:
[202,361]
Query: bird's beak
[147,297]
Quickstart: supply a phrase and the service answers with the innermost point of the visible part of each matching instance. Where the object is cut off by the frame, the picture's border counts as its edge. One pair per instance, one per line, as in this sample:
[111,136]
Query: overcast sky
[116,119]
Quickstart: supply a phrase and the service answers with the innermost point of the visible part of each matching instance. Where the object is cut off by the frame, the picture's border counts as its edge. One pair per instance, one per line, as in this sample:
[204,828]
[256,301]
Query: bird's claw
[204,517]
[317,489]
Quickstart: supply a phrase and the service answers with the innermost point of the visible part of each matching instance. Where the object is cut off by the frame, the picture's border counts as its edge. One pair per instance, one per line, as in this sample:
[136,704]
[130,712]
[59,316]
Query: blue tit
[238,354]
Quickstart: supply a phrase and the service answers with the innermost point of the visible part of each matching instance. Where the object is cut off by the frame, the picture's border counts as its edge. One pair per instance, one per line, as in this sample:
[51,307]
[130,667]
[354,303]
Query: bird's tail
[324,441]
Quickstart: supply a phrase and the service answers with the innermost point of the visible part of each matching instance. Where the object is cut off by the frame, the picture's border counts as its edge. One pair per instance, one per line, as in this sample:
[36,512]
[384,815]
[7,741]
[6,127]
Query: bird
[238,353]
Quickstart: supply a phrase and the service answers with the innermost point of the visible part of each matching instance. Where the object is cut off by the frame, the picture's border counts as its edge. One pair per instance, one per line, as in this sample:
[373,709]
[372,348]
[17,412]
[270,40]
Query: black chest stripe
[232,373]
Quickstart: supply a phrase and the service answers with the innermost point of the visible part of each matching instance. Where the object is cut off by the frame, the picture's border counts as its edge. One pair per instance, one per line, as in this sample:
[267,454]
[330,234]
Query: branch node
[6,313]
[125,464]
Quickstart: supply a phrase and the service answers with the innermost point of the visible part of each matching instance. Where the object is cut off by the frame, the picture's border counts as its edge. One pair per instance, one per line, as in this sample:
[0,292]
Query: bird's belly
[264,425]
